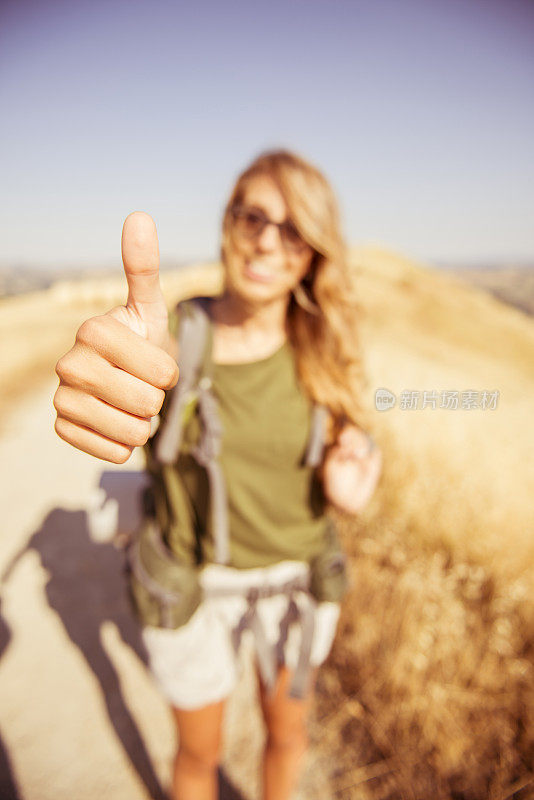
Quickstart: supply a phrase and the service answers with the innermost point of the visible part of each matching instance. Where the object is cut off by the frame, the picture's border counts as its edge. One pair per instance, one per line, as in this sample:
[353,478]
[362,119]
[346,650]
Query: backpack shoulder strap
[194,362]
[317,436]
[194,353]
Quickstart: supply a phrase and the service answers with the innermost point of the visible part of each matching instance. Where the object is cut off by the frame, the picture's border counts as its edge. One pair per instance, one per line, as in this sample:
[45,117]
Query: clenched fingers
[93,375]
[91,442]
[127,350]
[94,414]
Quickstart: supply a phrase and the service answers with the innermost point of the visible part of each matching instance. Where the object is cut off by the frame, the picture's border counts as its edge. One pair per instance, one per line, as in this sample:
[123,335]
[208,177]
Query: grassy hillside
[451,470]
[429,690]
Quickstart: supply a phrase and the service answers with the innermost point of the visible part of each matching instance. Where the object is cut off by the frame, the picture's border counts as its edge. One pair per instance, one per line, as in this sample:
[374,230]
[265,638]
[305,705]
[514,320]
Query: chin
[255,292]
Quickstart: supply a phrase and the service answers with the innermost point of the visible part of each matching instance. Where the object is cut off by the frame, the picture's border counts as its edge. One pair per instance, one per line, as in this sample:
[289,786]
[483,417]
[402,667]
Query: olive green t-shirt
[276,509]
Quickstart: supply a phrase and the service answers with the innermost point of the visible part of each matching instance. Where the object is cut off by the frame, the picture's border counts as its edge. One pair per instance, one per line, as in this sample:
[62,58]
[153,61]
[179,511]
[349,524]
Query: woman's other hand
[351,470]
[113,380]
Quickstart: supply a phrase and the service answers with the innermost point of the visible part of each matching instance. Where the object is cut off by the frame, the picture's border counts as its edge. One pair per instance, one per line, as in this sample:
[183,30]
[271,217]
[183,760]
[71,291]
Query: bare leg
[199,751]
[287,736]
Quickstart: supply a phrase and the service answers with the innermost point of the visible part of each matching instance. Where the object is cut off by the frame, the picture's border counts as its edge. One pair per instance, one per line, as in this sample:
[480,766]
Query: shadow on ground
[87,587]
[227,791]
[8,786]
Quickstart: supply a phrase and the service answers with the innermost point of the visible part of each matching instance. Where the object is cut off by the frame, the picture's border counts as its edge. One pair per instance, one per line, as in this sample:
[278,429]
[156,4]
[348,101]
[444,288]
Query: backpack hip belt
[269,657]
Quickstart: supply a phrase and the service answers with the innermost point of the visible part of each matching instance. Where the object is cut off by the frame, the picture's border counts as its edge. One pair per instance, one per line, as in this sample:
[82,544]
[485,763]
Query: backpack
[165,591]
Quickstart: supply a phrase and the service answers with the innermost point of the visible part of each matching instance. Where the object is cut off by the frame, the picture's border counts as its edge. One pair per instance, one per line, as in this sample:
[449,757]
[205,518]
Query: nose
[269,239]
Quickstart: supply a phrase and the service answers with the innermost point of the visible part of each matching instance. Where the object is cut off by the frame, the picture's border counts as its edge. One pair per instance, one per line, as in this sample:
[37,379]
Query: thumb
[140,256]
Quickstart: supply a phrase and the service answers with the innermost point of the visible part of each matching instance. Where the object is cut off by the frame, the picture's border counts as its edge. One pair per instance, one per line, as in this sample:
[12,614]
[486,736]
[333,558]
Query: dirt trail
[80,716]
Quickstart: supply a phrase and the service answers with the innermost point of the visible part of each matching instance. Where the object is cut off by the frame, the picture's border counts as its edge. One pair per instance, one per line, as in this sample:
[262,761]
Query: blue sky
[421,113]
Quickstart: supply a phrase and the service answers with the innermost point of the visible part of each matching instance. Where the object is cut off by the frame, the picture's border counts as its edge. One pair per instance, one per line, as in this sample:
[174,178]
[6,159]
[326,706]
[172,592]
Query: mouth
[261,272]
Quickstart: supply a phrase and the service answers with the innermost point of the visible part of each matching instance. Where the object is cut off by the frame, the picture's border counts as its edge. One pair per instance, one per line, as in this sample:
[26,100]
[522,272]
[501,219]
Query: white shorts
[197,664]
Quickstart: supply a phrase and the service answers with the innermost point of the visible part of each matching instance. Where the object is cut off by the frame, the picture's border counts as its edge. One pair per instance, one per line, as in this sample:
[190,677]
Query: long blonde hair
[323,329]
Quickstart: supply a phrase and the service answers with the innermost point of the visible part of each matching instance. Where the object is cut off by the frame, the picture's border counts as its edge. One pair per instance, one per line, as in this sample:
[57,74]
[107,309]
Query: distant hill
[511,284]
[21,278]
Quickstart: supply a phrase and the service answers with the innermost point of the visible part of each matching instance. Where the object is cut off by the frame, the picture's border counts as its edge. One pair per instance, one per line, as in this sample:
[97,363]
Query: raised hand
[351,470]
[113,380]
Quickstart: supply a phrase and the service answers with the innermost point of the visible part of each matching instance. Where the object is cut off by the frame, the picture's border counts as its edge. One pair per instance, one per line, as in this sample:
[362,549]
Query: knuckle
[89,331]
[68,368]
[139,432]
[120,454]
[62,366]
[61,400]
[56,402]
[61,428]
[152,402]
[166,372]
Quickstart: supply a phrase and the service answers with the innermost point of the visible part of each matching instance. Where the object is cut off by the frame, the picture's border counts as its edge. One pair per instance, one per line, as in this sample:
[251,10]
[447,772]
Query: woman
[283,335]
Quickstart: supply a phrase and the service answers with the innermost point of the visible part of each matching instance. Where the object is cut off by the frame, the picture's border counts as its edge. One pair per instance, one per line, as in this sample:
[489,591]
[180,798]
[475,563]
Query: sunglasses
[251,222]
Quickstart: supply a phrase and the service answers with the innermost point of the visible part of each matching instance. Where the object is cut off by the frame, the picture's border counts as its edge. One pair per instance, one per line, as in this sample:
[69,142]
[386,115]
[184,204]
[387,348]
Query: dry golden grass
[458,478]
[431,677]
[429,690]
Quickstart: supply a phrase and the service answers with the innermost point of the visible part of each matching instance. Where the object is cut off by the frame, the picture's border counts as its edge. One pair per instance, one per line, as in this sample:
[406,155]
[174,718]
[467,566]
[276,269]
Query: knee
[287,734]
[201,757]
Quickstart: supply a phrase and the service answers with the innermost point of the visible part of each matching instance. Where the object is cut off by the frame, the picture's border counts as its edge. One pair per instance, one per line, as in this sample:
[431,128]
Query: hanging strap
[317,437]
[269,657]
[306,616]
[207,452]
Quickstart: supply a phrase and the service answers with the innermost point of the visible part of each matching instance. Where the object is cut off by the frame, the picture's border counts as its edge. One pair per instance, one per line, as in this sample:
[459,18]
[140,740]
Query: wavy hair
[322,326]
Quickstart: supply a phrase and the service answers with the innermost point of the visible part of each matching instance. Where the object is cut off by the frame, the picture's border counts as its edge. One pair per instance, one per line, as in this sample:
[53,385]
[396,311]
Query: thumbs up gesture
[113,380]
